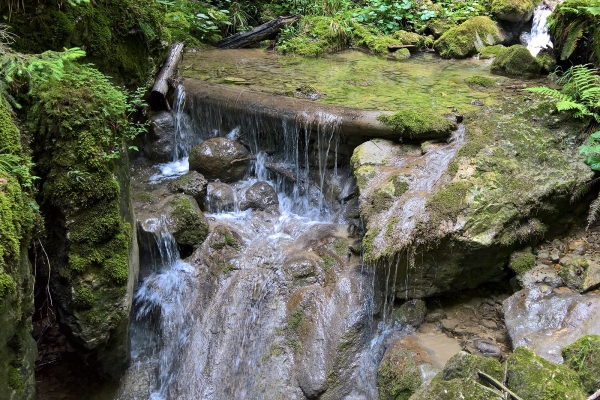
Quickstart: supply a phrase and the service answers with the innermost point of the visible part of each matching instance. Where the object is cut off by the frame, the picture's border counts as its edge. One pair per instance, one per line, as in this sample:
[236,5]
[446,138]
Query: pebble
[449,324]
[489,324]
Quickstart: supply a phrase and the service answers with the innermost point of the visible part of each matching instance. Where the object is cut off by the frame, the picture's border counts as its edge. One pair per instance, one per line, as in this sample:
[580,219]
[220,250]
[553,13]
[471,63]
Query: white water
[539,38]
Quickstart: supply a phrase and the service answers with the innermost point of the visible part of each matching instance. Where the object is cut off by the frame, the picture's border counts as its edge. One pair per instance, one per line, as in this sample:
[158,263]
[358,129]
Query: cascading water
[272,304]
[539,38]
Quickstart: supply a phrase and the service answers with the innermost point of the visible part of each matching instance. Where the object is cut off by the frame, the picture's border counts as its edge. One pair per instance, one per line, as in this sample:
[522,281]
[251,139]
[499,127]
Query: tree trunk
[262,32]
[158,96]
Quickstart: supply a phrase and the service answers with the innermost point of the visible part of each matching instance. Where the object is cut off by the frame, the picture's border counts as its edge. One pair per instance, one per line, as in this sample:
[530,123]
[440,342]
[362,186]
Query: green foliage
[195,22]
[575,29]
[580,93]
[583,356]
[389,16]
[522,261]
[83,299]
[315,36]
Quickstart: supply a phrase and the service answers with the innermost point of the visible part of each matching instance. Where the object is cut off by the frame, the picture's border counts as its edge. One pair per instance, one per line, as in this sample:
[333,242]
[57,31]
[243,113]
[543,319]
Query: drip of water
[539,38]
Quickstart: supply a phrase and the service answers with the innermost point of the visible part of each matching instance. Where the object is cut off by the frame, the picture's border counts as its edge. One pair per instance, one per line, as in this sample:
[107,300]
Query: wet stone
[411,313]
[219,198]
[220,158]
[193,183]
[260,196]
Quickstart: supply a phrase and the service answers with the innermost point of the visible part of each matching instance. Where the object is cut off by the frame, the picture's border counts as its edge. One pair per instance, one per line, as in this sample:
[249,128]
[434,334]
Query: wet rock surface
[220,158]
[219,197]
[260,196]
[160,141]
[193,183]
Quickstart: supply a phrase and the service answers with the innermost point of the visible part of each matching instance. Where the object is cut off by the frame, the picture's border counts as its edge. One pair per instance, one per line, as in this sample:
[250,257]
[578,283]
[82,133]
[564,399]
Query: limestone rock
[545,320]
[541,274]
[260,196]
[411,313]
[220,158]
[514,10]
[219,197]
[192,183]
[516,61]
[161,137]
[465,39]
[455,389]
[464,365]
[534,378]
[185,220]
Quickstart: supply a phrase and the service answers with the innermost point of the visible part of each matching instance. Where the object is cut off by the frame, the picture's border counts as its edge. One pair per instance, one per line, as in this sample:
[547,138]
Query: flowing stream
[273,305]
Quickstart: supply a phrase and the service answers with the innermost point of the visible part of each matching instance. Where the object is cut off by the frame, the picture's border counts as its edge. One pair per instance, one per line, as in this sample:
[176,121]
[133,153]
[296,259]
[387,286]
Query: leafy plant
[390,16]
[580,93]
[575,27]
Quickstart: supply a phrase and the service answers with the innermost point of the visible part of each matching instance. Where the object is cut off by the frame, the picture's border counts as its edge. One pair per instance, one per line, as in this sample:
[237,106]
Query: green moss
[573,271]
[83,299]
[535,378]
[482,81]
[490,51]
[363,175]
[367,245]
[228,267]
[461,41]
[340,246]
[516,61]
[14,379]
[522,261]
[7,285]
[449,201]
[456,389]
[318,35]
[295,321]
[452,168]
[192,228]
[410,38]
[547,61]
[463,365]
[400,187]
[327,262]
[513,10]
[414,123]
[179,28]
[583,357]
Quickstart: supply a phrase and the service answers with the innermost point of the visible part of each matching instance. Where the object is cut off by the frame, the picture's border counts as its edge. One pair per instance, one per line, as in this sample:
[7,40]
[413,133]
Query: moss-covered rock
[583,357]
[377,43]
[513,10]
[399,375]
[410,38]
[86,199]
[455,389]
[17,348]
[318,35]
[411,313]
[480,81]
[465,366]
[516,61]
[522,261]
[186,221]
[535,378]
[416,124]
[490,51]
[573,270]
[464,40]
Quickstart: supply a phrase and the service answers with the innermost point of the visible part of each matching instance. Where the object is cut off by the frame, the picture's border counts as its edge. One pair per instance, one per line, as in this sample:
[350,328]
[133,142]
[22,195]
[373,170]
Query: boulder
[411,313]
[455,389]
[545,319]
[185,220]
[540,275]
[467,38]
[514,10]
[451,218]
[220,158]
[161,137]
[583,357]
[192,183]
[219,198]
[534,378]
[516,61]
[260,196]
[465,366]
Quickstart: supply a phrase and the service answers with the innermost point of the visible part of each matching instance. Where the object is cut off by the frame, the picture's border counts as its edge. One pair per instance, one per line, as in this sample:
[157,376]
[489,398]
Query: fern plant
[580,93]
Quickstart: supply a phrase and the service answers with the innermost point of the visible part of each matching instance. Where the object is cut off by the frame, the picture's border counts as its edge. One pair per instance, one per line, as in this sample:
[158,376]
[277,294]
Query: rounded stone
[220,158]
[219,198]
[260,196]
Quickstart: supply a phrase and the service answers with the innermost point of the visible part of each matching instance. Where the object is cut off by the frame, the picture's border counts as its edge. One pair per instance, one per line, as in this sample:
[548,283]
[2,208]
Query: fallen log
[595,396]
[158,96]
[224,102]
[394,47]
[262,32]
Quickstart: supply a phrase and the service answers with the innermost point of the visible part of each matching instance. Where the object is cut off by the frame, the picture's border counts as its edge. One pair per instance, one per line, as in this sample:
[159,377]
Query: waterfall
[539,38]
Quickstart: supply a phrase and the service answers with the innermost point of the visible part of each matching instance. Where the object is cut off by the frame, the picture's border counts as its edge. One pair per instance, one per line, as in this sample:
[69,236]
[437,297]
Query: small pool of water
[350,78]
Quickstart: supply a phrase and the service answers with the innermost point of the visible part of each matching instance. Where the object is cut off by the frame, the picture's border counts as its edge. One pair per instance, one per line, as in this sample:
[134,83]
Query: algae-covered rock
[516,61]
[465,366]
[583,357]
[185,220]
[399,374]
[220,158]
[490,51]
[534,378]
[465,39]
[513,10]
[456,389]
[410,38]
[467,206]
[419,124]
[412,313]
[573,270]
[480,81]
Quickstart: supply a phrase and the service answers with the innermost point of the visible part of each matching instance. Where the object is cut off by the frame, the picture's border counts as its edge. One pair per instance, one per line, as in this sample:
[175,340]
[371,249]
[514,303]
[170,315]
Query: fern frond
[574,33]
[593,213]
[546,91]
[566,105]
[583,189]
